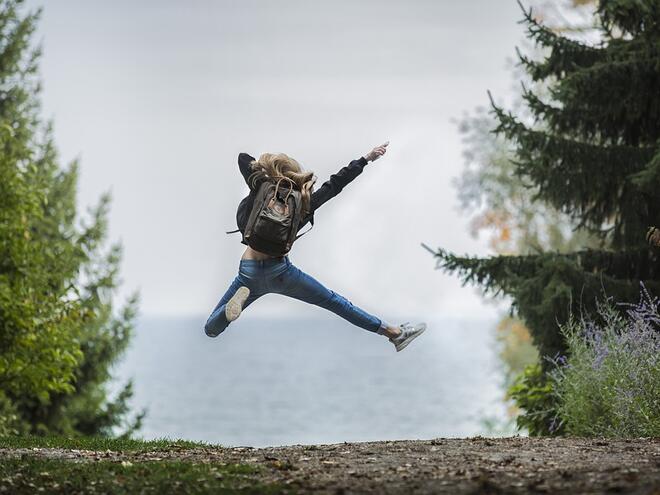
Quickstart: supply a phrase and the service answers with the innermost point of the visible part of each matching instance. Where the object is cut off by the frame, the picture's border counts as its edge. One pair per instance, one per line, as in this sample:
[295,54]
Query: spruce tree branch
[518,131]
[499,274]
[651,62]
[429,249]
[546,36]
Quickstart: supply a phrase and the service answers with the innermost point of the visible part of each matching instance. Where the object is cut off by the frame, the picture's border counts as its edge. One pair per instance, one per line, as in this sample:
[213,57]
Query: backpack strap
[233,231]
[311,222]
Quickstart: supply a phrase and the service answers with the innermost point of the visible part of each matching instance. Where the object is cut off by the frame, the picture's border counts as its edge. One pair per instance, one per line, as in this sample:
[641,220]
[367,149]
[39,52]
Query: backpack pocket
[273,226]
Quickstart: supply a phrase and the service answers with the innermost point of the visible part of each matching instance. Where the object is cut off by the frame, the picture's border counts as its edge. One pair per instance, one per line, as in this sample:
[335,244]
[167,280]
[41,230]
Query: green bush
[533,393]
[609,385]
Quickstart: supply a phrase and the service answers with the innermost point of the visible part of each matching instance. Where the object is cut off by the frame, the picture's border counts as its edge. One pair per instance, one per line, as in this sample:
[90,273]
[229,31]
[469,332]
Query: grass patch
[30,475]
[98,443]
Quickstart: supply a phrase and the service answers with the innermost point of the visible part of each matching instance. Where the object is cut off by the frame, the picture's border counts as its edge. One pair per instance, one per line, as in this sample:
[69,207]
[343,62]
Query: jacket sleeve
[244,161]
[336,183]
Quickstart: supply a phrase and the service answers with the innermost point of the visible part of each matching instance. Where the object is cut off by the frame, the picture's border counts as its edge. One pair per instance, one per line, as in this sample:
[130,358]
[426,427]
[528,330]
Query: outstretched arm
[244,161]
[338,181]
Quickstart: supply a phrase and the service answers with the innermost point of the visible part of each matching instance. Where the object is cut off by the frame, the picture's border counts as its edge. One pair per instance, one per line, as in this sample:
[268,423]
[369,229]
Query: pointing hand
[377,152]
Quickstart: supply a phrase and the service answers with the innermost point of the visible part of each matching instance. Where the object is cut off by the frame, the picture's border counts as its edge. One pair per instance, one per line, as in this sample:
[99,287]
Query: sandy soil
[456,466]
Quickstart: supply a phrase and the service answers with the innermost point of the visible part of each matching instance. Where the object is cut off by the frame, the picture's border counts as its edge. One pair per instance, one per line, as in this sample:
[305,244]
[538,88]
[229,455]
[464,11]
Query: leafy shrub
[533,393]
[10,420]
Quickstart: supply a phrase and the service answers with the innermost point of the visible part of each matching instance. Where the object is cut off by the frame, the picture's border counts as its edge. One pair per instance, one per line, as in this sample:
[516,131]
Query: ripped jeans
[280,276]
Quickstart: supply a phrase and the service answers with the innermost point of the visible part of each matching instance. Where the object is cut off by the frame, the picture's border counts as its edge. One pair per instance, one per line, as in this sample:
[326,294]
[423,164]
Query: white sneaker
[234,306]
[408,334]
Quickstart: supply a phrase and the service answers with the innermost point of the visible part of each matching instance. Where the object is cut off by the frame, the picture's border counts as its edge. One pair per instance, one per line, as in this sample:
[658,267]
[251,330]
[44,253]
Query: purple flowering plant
[608,384]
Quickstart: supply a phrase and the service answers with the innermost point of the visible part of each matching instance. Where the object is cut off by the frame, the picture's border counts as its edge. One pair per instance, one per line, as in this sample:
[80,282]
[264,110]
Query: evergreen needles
[595,155]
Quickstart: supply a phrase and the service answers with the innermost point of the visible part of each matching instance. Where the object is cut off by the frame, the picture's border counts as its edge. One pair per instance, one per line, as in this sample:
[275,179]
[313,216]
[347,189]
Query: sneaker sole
[235,304]
[405,343]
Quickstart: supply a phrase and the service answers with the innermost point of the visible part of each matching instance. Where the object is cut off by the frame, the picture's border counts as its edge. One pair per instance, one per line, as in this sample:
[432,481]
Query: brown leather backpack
[277,211]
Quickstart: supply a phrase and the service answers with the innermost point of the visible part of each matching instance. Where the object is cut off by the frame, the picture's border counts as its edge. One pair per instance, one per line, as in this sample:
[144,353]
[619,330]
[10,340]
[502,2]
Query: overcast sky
[157,98]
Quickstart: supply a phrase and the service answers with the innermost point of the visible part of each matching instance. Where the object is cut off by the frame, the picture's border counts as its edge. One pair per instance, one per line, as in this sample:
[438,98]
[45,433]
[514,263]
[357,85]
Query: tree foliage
[59,334]
[595,156]
[502,205]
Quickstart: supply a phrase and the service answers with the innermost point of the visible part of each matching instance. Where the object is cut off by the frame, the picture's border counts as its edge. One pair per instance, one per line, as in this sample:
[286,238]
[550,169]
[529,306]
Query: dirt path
[473,465]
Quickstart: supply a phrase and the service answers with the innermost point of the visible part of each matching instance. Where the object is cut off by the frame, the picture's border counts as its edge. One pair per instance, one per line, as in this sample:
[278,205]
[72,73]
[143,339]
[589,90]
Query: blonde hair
[279,165]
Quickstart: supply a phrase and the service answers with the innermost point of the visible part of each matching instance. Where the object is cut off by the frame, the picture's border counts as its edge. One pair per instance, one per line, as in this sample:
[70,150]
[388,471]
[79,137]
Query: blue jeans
[280,276]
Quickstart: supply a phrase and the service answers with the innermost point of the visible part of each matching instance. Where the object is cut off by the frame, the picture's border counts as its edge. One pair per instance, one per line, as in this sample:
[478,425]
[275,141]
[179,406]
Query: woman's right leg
[297,284]
[217,321]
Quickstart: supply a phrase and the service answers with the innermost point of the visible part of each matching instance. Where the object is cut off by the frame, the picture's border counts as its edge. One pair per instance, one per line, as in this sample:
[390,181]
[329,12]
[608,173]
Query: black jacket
[328,189]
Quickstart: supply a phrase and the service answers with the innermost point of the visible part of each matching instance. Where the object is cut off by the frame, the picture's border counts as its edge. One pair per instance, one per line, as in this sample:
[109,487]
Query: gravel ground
[456,466]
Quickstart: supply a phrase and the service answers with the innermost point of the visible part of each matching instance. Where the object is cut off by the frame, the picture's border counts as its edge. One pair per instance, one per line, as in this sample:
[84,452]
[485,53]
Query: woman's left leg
[297,284]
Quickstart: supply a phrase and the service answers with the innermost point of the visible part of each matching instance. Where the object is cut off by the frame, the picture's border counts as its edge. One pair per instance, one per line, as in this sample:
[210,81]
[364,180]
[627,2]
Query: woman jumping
[261,273]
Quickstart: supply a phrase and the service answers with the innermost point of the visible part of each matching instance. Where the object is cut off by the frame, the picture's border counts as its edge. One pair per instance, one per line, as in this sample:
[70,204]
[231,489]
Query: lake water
[274,382]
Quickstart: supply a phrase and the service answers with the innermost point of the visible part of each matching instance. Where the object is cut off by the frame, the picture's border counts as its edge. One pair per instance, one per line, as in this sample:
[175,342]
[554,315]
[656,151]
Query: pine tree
[502,206]
[595,156]
[59,334]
